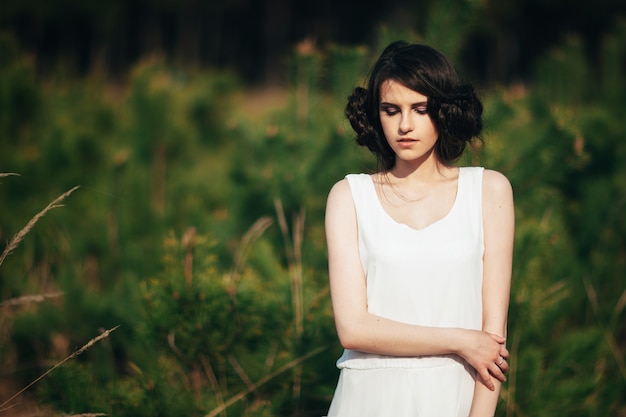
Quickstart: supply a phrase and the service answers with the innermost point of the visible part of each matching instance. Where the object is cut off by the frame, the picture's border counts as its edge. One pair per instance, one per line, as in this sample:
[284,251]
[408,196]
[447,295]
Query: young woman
[420,252]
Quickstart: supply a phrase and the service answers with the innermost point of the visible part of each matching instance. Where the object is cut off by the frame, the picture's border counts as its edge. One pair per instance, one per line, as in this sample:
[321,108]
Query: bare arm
[498,225]
[359,330]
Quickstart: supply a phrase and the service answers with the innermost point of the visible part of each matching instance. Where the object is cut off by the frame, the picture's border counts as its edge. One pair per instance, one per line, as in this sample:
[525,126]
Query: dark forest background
[186,275]
[253,37]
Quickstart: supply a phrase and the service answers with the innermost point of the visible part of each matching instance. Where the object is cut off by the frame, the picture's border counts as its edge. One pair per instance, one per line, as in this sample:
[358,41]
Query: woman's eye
[421,110]
[390,111]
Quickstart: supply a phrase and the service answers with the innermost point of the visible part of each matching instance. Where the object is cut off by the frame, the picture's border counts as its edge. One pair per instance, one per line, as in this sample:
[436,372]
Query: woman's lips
[406,143]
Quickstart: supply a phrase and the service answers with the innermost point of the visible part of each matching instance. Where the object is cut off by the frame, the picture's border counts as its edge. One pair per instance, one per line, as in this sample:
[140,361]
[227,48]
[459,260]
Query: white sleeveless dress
[428,277]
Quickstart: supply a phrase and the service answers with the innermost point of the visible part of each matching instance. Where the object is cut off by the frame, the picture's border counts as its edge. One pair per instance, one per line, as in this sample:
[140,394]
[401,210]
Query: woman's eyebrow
[419,103]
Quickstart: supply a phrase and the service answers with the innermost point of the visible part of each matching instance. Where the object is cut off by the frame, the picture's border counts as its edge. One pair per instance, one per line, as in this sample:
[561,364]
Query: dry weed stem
[89,344]
[86,415]
[264,380]
[15,241]
[34,298]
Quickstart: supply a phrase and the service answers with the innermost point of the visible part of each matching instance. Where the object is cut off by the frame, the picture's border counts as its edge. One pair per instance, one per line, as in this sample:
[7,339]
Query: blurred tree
[248,299]
[254,37]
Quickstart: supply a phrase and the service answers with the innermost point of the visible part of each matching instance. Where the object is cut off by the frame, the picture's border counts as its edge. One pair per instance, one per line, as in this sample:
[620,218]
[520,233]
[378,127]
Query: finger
[497,372]
[486,378]
[503,365]
[504,352]
[498,338]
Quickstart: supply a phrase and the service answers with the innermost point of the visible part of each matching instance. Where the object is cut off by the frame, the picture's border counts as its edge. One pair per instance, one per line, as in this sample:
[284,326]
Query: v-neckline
[428,226]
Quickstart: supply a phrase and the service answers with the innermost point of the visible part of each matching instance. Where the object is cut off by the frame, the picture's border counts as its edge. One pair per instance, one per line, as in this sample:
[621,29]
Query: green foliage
[199,229]
[20,98]
[559,145]
[448,25]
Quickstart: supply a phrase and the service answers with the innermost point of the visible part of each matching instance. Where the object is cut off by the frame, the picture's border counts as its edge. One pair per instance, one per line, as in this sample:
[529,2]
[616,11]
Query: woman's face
[406,124]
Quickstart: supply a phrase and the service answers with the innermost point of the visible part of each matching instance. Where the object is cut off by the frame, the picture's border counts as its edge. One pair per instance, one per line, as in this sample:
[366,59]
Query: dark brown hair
[453,107]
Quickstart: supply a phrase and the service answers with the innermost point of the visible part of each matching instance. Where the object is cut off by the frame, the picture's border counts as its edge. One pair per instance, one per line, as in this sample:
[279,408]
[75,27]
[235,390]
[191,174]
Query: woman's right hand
[487,353]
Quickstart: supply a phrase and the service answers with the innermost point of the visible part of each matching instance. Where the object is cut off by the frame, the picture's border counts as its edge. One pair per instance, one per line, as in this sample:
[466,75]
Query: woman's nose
[406,123]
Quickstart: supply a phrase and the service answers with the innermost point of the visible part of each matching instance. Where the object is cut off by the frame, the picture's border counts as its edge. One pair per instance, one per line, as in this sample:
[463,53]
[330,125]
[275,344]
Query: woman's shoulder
[340,203]
[343,192]
[495,180]
[359,177]
[343,185]
[496,185]
[490,177]
[340,191]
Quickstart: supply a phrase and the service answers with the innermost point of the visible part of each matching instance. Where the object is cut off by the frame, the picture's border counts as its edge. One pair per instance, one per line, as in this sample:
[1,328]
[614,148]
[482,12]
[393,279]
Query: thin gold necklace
[397,192]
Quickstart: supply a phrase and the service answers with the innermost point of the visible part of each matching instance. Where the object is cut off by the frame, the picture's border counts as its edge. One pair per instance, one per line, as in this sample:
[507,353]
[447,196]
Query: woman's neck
[428,170]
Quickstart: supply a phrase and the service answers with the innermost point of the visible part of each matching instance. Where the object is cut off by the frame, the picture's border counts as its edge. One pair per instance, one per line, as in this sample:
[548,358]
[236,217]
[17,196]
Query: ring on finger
[500,362]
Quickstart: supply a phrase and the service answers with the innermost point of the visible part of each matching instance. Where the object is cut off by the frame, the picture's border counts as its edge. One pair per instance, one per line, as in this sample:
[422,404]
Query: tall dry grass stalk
[188,242]
[240,371]
[8,174]
[256,231]
[28,299]
[608,334]
[19,236]
[208,370]
[293,248]
[89,344]
[264,380]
